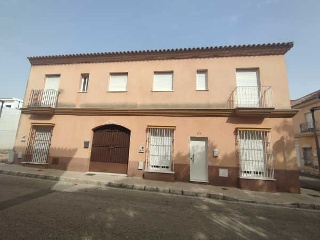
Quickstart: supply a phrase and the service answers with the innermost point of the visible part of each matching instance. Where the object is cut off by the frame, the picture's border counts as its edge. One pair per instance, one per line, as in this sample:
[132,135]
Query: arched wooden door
[110,149]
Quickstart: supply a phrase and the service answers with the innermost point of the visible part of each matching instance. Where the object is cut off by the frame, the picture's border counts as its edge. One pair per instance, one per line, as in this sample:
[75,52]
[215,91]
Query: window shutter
[201,80]
[247,88]
[118,82]
[163,81]
[247,78]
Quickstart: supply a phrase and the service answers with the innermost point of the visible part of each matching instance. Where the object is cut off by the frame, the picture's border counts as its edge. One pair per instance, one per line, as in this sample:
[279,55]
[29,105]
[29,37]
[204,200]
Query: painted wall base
[158,176]
[258,185]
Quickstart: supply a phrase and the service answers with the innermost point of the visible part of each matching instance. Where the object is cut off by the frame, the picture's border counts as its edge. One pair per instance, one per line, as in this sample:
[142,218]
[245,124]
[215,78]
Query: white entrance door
[50,93]
[247,88]
[198,159]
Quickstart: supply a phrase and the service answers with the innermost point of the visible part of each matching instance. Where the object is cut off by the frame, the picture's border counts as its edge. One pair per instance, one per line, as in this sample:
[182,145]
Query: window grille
[39,144]
[255,155]
[159,153]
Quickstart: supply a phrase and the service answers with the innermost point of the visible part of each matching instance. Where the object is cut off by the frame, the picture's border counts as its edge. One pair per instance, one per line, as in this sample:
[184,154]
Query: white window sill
[158,171]
[162,91]
[117,91]
[34,163]
[203,90]
[83,92]
[258,178]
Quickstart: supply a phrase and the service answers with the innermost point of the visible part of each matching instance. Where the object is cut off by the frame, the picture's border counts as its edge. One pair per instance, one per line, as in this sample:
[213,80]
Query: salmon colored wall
[300,116]
[70,132]
[308,141]
[221,82]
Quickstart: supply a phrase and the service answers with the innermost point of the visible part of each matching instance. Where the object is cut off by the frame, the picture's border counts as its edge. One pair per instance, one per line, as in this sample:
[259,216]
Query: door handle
[192,158]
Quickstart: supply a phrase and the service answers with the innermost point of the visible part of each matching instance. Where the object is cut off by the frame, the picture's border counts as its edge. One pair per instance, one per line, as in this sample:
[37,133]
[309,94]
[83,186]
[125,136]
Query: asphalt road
[41,209]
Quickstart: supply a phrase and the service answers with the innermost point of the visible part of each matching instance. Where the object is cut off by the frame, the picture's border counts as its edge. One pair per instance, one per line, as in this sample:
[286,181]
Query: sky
[52,27]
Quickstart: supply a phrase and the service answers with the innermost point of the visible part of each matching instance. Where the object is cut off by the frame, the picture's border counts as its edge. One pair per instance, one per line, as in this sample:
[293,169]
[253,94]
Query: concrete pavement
[308,199]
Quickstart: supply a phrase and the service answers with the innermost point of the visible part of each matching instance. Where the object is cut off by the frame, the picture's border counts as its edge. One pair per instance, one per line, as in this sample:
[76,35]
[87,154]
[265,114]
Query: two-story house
[216,115]
[304,127]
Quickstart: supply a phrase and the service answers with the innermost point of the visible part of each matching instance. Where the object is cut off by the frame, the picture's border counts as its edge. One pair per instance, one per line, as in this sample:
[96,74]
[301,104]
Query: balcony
[43,101]
[251,97]
[308,127]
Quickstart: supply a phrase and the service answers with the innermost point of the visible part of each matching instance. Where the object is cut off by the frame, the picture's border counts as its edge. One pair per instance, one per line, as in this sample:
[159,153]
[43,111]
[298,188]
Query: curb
[216,196]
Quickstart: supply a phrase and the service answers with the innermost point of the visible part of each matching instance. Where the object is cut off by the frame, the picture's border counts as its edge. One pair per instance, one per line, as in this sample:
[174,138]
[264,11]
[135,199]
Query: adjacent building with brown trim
[215,115]
[306,149]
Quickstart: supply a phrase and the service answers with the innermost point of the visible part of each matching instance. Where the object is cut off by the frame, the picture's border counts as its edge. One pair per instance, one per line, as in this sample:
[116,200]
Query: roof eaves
[221,51]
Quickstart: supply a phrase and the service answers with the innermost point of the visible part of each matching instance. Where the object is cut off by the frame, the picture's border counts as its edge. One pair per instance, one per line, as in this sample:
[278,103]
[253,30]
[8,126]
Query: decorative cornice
[166,54]
[259,112]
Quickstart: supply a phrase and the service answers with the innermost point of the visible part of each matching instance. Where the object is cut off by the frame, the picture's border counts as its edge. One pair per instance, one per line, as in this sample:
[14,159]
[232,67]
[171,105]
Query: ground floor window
[159,154]
[39,144]
[255,155]
[307,156]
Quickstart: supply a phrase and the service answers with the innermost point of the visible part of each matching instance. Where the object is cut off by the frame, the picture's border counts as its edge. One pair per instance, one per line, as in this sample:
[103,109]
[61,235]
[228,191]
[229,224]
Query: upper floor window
[118,82]
[309,121]
[201,81]
[163,81]
[84,82]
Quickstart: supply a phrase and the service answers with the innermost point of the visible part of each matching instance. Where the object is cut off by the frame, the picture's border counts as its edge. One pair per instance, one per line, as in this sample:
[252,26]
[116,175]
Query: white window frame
[159,79]
[84,83]
[118,87]
[255,153]
[160,149]
[200,85]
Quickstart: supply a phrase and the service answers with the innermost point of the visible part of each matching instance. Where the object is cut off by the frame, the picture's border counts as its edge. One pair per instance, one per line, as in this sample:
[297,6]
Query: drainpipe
[315,133]
[2,102]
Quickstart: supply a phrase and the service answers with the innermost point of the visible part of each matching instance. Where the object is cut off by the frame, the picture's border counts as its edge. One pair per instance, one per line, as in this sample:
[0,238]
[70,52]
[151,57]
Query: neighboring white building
[9,120]
[15,103]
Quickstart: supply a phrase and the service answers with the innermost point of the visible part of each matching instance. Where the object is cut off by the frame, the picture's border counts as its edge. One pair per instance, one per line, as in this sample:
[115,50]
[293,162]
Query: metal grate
[255,155]
[159,154]
[251,97]
[39,144]
[308,127]
[43,98]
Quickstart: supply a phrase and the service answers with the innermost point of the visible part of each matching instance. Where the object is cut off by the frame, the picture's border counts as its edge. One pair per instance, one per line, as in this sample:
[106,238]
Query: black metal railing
[43,98]
[251,97]
[308,127]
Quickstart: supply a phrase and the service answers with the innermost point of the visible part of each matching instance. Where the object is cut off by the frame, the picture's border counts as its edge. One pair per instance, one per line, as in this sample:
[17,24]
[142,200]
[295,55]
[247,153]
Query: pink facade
[219,116]
[303,126]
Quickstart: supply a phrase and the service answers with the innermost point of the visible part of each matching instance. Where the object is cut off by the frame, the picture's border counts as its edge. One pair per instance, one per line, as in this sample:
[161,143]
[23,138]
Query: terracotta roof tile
[306,98]
[162,54]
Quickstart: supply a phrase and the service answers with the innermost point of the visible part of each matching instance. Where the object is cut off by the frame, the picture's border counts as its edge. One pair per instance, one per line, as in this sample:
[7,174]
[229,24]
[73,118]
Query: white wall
[9,121]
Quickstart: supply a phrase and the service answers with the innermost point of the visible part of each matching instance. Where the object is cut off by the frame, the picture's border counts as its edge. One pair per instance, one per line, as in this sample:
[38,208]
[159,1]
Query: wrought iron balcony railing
[251,97]
[308,127]
[43,98]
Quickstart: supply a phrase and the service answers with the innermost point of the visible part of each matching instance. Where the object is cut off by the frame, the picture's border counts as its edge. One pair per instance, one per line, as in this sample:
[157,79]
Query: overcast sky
[50,27]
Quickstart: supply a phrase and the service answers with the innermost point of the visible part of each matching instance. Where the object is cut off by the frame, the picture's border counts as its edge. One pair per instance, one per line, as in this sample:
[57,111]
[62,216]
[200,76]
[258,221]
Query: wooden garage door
[110,147]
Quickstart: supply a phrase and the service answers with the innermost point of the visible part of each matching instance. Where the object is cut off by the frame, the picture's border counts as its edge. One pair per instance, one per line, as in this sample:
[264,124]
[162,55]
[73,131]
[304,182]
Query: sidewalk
[308,199]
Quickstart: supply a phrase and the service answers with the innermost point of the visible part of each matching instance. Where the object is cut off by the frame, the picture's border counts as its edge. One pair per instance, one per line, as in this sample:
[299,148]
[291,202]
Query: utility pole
[312,110]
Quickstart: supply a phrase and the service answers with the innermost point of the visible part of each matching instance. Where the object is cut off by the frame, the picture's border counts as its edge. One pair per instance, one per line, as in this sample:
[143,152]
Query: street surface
[41,209]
